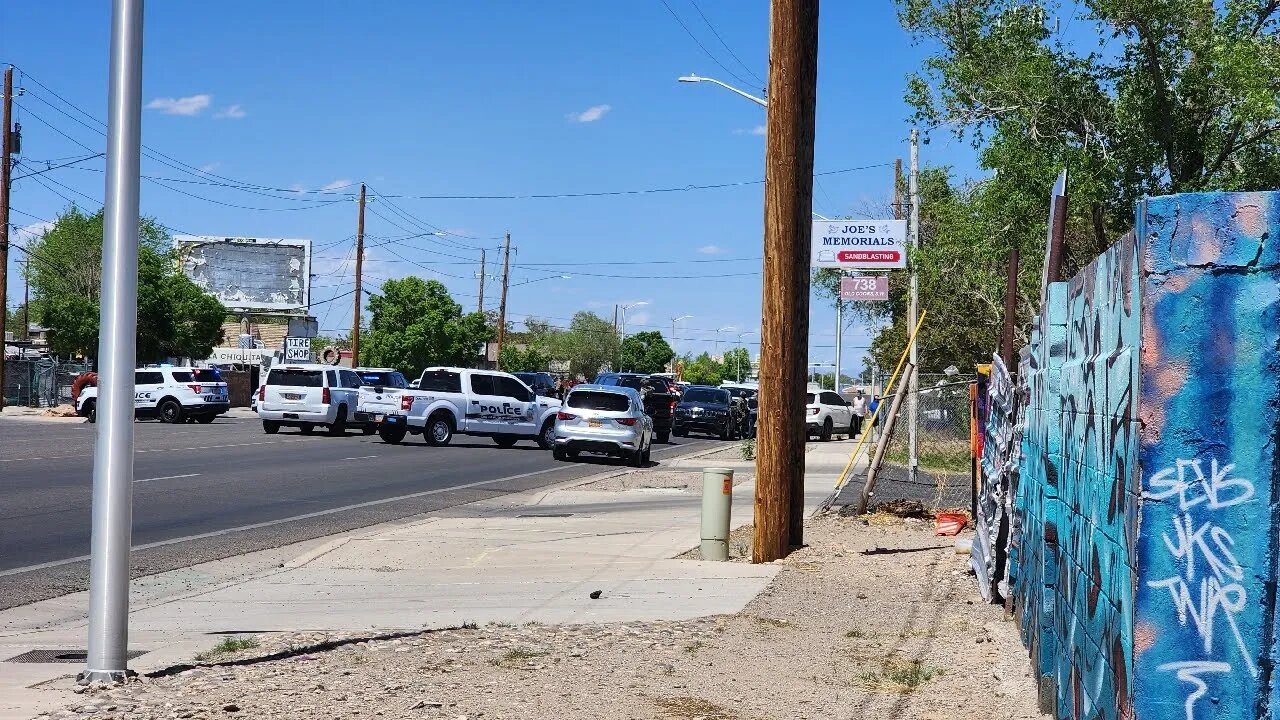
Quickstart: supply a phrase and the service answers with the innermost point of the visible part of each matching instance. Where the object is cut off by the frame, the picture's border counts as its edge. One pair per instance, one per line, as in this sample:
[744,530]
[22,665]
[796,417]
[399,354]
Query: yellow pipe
[870,422]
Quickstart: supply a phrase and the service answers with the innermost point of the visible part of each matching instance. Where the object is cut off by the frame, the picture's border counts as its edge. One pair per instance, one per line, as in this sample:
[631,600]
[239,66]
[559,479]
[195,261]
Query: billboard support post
[112,514]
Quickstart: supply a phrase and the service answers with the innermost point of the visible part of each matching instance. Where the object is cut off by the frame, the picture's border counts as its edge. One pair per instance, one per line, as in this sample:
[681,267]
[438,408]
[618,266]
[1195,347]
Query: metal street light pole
[726,327]
[737,357]
[675,320]
[117,354]
[623,336]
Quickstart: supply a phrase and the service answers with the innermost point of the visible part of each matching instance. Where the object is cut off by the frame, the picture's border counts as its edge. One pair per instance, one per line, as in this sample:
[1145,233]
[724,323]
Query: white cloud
[233,112]
[297,188]
[337,184]
[192,105]
[591,114]
[757,130]
[210,167]
[710,250]
[32,231]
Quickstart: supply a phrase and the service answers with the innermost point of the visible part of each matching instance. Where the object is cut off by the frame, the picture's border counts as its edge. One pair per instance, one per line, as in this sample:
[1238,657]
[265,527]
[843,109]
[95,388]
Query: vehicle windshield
[743,393]
[441,381]
[705,395]
[374,377]
[595,400]
[295,378]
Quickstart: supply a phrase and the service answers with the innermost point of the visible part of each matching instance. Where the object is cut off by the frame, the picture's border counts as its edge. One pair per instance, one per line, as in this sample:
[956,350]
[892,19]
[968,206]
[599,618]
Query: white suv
[170,394]
[307,395]
[827,414]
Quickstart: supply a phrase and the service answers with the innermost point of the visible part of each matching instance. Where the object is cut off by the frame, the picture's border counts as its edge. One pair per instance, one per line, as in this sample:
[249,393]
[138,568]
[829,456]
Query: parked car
[826,413]
[709,410]
[609,420]
[452,400]
[657,393]
[541,383]
[309,395]
[381,377]
[169,394]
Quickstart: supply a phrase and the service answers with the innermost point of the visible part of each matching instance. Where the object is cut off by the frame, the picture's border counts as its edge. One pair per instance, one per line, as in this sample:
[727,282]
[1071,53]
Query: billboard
[859,244]
[861,287]
[249,273]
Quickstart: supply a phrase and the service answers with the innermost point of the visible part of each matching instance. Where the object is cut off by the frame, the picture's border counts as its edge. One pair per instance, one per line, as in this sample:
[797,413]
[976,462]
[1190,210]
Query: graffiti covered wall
[1141,555]
[1206,547]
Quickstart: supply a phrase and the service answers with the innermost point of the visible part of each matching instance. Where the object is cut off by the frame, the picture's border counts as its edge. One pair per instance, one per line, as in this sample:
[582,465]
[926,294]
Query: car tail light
[673,406]
[565,416]
[406,402]
[626,421]
[194,388]
[814,411]
[262,392]
[324,396]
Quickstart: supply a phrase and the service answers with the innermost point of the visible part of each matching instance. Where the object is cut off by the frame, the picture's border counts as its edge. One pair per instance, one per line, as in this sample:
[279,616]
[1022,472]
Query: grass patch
[770,622]
[470,625]
[227,646]
[855,634]
[897,675]
[748,449]
[517,655]
[692,707]
[693,647]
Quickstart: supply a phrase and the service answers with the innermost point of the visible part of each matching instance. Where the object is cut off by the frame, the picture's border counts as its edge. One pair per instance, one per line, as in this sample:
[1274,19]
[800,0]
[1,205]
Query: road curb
[570,484]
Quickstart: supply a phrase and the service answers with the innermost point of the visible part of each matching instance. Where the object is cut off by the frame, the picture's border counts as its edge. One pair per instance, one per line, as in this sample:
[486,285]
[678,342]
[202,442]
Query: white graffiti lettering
[1218,490]
[1207,589]
[1190,672]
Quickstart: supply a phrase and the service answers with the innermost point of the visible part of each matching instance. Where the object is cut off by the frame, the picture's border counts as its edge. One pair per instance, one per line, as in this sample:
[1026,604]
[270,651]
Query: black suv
[541,383]
[709,410]
[655,390]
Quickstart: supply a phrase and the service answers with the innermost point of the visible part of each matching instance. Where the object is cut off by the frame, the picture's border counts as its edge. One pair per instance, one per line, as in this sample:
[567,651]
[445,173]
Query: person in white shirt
[859,407]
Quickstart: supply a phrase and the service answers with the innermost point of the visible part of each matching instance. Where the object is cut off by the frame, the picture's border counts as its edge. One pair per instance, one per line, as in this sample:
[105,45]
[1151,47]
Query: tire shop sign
[297,349]
[859,245]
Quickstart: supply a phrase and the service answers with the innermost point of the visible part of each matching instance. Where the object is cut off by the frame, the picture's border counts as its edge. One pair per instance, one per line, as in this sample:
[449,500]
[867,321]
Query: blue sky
[480,98]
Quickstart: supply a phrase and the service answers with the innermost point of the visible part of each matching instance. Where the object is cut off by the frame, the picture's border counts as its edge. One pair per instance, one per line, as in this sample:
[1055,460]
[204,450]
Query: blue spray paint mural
[1142,553]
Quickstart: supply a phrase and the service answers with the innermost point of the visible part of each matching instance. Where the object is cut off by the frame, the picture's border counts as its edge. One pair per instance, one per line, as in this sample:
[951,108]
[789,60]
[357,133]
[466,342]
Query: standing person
[859,407]
[872,406]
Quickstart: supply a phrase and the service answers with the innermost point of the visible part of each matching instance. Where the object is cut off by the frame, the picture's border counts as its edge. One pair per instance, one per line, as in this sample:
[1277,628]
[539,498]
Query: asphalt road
[204,492]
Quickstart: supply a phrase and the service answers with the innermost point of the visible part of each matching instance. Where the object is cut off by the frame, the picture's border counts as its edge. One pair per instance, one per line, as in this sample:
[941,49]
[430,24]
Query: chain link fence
[42,382]
[944,479]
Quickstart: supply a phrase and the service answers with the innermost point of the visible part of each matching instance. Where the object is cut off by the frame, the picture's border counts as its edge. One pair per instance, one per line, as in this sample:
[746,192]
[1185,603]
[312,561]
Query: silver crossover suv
[604,419]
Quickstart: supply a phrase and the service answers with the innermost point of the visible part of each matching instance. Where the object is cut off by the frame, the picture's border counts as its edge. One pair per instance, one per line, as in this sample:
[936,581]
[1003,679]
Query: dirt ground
[870,620]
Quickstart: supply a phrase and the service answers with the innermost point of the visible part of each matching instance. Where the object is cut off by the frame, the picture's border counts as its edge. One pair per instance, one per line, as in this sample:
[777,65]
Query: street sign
[297,349]
[869,287]
[859,244]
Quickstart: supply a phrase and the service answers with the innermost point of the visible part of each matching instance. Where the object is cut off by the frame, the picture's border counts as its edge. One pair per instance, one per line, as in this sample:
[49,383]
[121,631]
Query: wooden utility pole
[784,326]
[913,312]
[1010,310]
[502,303]
[355,321]
[480,305]
[6,128]
[897,189]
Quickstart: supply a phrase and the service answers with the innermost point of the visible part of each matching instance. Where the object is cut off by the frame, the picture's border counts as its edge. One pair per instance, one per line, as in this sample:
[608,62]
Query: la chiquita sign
[859,245]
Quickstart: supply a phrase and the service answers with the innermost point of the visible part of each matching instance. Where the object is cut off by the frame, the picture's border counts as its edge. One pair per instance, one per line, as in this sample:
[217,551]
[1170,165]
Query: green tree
[702,370]
[589,345]
[528,359]
[416,324]
[646,352]
[175,318]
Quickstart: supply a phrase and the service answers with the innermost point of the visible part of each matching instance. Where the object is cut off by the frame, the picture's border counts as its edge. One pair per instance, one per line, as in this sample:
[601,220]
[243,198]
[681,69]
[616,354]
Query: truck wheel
[559,454]
[547,438]
[91,410]
[270,427]
[339,426]
[726,432]
[306,429]
[826,430]
[439,430]
[393,435]
[681,433]
[171,412]
[664,436]
[368,429]
[505,441]
[205,419]
[636,459]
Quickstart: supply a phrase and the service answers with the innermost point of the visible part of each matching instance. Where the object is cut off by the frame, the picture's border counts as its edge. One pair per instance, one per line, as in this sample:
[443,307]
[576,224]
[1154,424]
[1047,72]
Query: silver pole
[913,312]
[113,455]
[839,334]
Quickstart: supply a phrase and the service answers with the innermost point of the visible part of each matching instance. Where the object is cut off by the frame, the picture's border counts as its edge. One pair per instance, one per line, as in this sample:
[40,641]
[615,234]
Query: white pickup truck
[451,401]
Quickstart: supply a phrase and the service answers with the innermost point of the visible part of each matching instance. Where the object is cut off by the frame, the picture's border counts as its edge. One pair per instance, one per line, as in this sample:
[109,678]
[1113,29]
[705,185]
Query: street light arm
[697,78]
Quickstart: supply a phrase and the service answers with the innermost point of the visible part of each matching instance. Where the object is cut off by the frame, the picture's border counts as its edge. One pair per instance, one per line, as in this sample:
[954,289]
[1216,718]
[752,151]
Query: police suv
[452,401]
[170,394]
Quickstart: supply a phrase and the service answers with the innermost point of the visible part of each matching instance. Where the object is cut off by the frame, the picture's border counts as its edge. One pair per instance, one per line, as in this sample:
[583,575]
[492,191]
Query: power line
[55,167]
[725,45]
[708,53]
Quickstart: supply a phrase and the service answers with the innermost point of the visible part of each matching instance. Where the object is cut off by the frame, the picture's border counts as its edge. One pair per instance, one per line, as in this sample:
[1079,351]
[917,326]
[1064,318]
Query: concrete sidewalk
[515,559]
